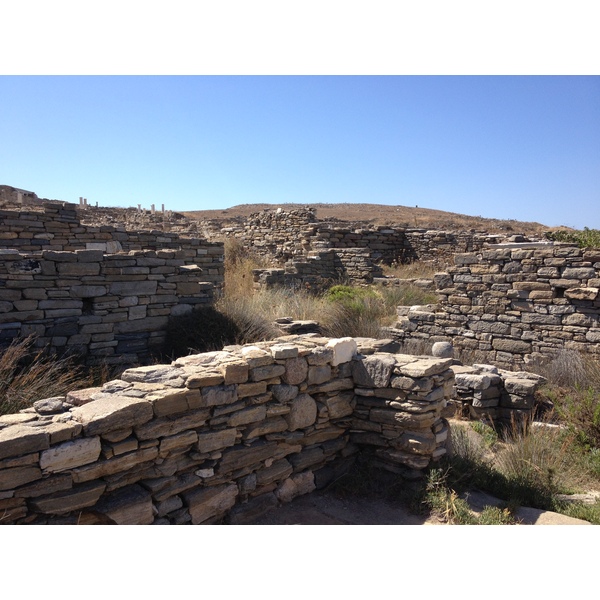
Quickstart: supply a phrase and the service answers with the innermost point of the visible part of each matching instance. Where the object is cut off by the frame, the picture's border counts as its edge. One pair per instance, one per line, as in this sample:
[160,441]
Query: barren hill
[379,214]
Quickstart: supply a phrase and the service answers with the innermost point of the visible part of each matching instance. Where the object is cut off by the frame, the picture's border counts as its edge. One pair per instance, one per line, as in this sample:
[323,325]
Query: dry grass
[28,375]
[413,270]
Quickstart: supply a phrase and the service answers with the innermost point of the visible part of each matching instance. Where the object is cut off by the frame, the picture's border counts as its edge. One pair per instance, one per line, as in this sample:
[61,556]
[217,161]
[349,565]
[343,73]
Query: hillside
[379,214]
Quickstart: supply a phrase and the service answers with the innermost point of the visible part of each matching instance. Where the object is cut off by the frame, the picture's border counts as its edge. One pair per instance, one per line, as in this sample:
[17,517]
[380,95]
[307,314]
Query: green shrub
[586,238]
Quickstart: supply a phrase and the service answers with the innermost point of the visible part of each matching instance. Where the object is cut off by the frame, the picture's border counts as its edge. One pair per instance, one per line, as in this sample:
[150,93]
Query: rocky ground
[324,508]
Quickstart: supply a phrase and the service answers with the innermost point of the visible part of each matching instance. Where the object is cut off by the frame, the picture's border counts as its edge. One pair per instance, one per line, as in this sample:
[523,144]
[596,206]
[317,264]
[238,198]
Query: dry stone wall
[514,304]
[222,435]
[287,237]
[99,292]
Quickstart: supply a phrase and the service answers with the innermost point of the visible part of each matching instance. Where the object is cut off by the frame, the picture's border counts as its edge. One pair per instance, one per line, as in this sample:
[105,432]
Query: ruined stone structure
[514,304]
[221,435]
[15,196]
[102,292]
[309,251]
[284,235]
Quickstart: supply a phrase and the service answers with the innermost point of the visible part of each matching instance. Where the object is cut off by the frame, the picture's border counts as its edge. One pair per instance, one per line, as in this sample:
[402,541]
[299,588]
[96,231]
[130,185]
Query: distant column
[80,200]
[163,209]
[152,208]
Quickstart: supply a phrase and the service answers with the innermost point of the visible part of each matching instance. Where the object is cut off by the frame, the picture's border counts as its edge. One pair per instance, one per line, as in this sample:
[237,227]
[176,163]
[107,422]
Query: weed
[28,375]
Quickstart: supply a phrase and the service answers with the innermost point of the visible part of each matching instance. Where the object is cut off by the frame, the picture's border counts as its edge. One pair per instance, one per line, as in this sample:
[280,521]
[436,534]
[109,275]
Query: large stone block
[18,476]
[303,412]
[70,455]
[373,371]
[133,288]
[20,439]
[344,349]
[206,503]
[131,505]
[216,440]
[81,496]
[112,412]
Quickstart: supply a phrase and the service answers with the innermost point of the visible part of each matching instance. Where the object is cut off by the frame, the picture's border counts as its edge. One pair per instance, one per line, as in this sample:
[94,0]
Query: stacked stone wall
[99,292]
[109,308]
[58,227]
[511,305]
[288,239]
[220,436]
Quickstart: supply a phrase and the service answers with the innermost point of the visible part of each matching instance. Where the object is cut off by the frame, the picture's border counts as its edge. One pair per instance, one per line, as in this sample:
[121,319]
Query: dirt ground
[322,508]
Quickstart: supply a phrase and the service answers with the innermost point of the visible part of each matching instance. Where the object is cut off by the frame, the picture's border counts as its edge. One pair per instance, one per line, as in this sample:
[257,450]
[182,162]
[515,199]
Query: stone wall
[221,436]
[321,269]
[514,304]
[282,236]
[110,308]
[58,227]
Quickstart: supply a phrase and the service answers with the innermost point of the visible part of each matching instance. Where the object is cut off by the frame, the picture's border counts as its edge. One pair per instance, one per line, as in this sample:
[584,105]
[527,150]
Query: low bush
[586,238]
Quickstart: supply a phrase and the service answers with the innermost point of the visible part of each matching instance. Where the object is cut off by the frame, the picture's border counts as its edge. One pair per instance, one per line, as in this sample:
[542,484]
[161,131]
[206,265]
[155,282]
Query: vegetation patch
[586,238]
[28,374]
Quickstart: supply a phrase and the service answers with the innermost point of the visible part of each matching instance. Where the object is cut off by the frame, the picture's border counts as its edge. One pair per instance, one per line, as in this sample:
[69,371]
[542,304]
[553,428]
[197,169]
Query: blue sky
[525,147]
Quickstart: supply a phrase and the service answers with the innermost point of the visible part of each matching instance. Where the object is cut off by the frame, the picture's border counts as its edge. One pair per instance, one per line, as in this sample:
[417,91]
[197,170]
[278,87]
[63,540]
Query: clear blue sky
[525,147]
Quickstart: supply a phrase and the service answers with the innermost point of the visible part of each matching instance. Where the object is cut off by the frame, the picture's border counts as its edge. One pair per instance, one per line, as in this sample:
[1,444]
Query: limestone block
[205,503]
[590,293]
[267,372]
[131,505]
[18,476]
[70,455]
[248,415]
[78,497]
[172,401]
[203,378]
[523,387]
[303,412]
[579,273]
[251,389]
[417,442]
[256,357]
[112,412]
[234,372]
[373,371]
[133,288]
[216,440]
[275,424]
[219,395]
[320,356]
[46,486]
[424,366]
[283,351]
[413,461]
[339,406]
[245,456]
[179,440]
[78,269]
[344,349]
[154,374]
[114,465]
[20,439]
